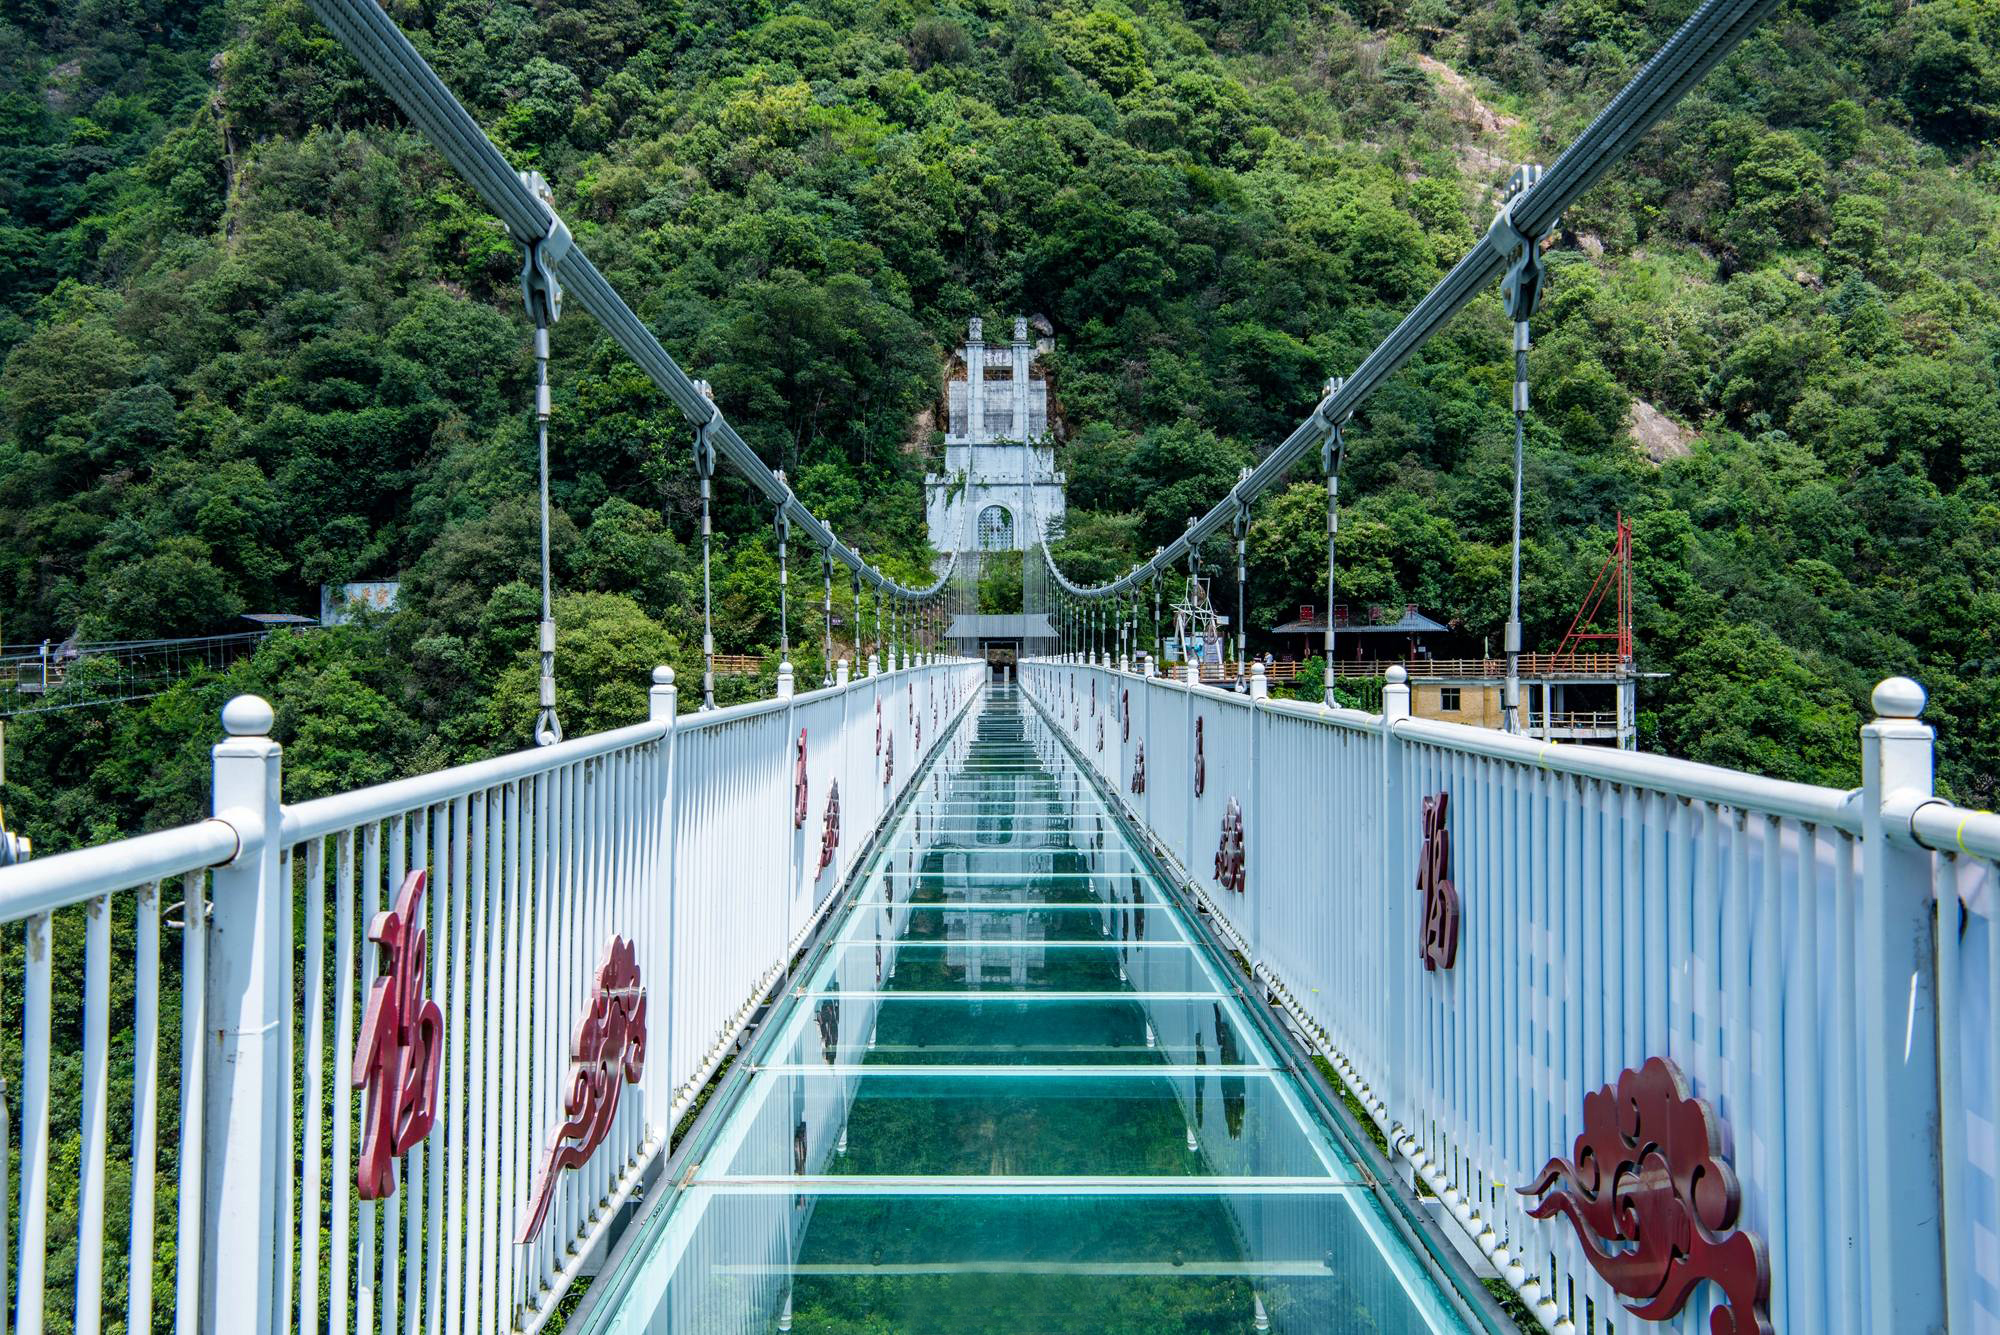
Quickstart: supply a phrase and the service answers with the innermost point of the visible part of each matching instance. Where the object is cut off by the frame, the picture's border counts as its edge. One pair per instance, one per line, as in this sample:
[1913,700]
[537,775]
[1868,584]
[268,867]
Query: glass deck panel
[1014,1092]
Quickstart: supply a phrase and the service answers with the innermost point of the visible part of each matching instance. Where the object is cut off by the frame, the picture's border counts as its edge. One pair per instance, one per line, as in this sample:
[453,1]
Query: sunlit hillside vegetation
[257,337]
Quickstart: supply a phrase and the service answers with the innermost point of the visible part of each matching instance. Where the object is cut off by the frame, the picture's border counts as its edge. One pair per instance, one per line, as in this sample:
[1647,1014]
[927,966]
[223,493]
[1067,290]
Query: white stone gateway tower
[999,479]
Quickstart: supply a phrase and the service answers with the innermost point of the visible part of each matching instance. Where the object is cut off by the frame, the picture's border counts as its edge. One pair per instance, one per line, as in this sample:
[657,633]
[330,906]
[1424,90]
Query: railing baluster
[546,952]
[342,1185]
[314,1014]
[35,1039]
[420,1159]
[145,1107]
[368,1300]
[472,1145]
[447,837]
[507,1199]
[396,1207]
[288,1147]
[194,1025]
[89,1316]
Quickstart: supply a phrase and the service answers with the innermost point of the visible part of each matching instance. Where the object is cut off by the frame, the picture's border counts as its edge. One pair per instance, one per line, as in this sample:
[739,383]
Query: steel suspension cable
[1708,35]
[372,37]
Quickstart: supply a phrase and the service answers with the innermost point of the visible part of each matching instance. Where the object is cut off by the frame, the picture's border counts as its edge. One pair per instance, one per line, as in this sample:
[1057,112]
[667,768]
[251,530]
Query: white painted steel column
[1902,1178]
[1397,972]
[248,1123]
[662,706]
[1254,824]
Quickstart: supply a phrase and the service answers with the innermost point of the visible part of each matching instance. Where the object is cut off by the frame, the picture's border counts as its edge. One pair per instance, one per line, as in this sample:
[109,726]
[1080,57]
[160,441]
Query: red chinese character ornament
[608,1053]
[401,1046]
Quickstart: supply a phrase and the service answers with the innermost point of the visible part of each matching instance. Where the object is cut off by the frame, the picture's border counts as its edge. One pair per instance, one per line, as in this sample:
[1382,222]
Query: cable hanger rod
[375,40]
[1708,35]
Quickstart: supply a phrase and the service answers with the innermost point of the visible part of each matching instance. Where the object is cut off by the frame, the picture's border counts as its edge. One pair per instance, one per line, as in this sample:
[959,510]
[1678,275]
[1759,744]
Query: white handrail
[324,815]
[1953,829]
[62,879]
[1686,779]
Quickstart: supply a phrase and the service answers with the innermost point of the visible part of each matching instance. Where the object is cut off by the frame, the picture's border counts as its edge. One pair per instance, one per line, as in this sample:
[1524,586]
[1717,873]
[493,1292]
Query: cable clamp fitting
[1521,285]
[1329,452]
[704,445]
[540,291]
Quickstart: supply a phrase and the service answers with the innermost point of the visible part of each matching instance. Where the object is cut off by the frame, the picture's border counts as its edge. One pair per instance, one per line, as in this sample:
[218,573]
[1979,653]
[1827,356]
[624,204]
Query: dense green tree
[258,338]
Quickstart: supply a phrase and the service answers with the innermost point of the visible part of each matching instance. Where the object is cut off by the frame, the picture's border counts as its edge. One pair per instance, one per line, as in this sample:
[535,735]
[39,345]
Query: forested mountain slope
[258,338]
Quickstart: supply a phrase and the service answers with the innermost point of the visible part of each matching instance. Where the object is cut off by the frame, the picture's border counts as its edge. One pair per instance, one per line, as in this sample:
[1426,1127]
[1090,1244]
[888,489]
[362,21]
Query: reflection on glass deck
[1014,1094]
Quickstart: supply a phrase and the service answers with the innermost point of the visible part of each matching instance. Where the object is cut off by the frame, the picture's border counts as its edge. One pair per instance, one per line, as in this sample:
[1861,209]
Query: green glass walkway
[1015,1093]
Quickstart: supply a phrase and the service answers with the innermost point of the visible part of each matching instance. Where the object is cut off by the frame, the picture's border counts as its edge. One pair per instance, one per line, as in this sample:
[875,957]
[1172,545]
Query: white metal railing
[679,834]
[1777,941]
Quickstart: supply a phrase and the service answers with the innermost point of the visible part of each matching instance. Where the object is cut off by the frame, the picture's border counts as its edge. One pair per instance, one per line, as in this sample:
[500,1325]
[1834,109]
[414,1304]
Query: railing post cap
[1397,674]
[247,716]
[663,675]
[1899,698]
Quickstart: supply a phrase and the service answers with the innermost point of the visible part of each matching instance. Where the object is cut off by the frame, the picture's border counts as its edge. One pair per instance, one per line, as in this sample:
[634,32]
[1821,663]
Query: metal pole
[1896,925]
[1332,455]
[1159,628]
[1521,292]
[783,523]
[548,729]
[1242,575]
[704,467]
[826,618]
[1510,705]
[244,1046]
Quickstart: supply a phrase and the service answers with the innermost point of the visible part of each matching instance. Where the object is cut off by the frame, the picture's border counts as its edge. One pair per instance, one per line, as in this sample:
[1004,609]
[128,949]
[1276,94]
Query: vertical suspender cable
[1331,456]
[704,467]
[783,524]
[860,659]
[1521,291]
[542,294]
[548,729]
[1159,628]
[1242,577]
[1194,573]
[1510,706]
[826,618]
[1707,35]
